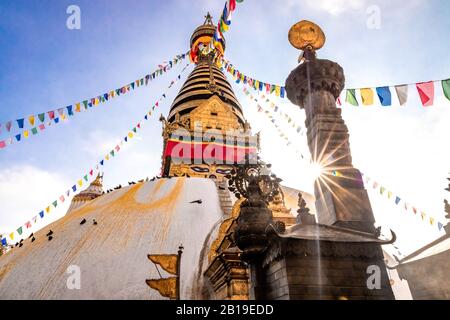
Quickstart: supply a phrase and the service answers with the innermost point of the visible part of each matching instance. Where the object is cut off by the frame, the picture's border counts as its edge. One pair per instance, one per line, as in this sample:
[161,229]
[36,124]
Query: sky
[45,66]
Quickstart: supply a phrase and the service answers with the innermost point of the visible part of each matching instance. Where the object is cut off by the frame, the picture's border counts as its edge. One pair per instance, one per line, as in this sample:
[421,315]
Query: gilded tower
[205,132]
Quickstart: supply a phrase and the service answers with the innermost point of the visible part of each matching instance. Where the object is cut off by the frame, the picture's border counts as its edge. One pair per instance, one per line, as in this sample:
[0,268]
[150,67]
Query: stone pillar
[340,198]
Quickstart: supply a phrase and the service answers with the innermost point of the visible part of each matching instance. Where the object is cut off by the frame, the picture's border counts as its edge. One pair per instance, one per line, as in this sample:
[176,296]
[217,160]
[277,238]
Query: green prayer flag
[41,117]
[85,178]
[446,88]
[19,231]
[55,203]
[85,102]
[112,153]
[34,130]
[351,97]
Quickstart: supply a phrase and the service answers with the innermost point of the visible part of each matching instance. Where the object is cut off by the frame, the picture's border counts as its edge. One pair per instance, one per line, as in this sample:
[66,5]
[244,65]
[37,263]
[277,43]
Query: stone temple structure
[245,236]
[105,234]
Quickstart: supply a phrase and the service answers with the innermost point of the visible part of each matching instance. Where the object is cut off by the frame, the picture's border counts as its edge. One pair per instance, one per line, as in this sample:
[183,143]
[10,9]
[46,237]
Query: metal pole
[180,252]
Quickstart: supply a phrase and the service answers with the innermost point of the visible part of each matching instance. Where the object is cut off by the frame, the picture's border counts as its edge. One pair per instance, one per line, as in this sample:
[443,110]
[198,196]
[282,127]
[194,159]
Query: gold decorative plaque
[306,34]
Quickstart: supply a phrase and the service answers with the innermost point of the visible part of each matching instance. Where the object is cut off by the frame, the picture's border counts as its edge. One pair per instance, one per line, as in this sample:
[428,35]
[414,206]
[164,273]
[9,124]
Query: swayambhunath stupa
[220,216]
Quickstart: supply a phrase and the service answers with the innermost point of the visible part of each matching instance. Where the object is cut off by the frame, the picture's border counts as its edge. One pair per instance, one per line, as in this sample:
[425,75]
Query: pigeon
[94,222]
[32,239]
[199,201]
[49,233]
[83,221]
[31,235]
[21,240]
[21,244]
[50,238]
[221,188]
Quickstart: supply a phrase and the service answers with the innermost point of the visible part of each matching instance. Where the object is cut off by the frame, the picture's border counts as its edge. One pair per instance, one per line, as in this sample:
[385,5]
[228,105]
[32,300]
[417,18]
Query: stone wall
[428,278]
[339,272]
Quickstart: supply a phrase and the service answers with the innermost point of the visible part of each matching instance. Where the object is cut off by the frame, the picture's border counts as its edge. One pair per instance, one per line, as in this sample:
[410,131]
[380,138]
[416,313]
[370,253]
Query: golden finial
[306,35]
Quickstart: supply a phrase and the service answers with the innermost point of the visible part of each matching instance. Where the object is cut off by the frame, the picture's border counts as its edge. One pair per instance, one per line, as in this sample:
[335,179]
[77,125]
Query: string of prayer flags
[426,92]
[54,116]
[279,91]
[267,113]
[397,199]
[87,177]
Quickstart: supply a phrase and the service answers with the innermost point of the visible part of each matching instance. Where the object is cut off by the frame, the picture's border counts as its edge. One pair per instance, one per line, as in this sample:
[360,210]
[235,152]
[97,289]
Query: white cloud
[24,191]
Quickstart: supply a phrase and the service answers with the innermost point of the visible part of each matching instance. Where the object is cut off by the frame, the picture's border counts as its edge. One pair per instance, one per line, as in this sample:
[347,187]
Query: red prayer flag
[232,5]
[51,115]
[426,93]
[2,144]
[28,224]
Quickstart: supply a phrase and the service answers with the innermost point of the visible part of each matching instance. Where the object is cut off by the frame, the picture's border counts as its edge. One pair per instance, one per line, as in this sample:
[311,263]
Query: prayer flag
[41,117]
[31,120]
[366,96]
[426,93]
[351,98]
[402,93]
[384,94]
[446,88]
[20,123]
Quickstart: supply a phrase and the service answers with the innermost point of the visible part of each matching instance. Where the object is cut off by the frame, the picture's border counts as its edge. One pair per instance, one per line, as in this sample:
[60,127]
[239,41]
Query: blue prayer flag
[385,96]
[20,123]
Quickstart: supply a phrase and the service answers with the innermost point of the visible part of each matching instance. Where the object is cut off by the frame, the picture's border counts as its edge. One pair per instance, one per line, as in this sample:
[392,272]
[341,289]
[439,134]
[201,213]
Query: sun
[316,170]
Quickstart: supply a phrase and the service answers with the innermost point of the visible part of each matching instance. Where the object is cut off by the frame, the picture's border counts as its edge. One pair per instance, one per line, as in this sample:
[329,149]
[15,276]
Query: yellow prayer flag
[63,117]
[367,96]
[80,182]
[47,209]
[107,157]
[423,214]
[431,220]
[31,120]
[78,107]
[389,194]
[25,133]
[277,90]
[130,135]
[96,101]
[11,235]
